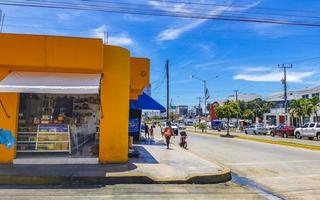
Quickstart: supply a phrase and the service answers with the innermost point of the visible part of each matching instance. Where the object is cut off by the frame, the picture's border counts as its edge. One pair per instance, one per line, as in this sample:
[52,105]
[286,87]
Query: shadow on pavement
[145,156]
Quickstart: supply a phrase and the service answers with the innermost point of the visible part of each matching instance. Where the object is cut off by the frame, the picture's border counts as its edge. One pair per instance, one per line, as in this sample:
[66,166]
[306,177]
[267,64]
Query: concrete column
[114,121]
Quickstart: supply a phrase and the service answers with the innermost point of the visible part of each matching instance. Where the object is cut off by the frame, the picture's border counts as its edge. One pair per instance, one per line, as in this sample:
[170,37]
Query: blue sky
[244,56]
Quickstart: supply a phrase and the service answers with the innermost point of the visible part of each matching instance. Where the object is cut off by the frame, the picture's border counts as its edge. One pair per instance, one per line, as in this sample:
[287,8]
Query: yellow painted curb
[283,143]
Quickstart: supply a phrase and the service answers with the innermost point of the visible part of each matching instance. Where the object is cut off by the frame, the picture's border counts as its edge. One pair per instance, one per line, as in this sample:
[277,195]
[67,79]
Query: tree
[229,110]
[301,108]
[315,101]
[248,114]
[257,106]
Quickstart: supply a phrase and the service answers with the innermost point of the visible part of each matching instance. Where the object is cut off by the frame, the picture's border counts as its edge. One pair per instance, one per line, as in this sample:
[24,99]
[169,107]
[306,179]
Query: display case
[47,138]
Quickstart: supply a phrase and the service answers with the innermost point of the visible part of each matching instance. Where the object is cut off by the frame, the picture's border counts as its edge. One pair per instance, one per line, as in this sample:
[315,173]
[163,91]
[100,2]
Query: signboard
[134,125]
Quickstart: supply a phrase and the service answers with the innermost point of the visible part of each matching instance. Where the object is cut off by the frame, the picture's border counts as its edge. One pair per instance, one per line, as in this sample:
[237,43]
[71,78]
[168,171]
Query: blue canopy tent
[144,102]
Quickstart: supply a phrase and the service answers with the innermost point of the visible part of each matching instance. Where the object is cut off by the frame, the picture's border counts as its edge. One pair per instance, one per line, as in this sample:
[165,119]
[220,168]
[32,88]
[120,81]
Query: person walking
[146,131]
[168,133]
[151,131]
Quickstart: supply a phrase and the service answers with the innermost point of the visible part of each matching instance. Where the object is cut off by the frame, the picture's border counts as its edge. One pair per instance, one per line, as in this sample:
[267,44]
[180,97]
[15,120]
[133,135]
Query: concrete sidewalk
[156,164]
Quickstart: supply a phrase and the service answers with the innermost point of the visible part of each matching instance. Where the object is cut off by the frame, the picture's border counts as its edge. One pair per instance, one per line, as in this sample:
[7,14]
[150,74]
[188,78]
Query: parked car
[310,130]
[256,129]
[217,124]
[282,131]
[182,126]
[175,128]
[189,122]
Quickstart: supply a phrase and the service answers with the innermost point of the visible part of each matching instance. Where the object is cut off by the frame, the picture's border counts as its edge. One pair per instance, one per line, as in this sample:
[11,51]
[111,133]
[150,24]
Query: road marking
[272,162]
[297,176]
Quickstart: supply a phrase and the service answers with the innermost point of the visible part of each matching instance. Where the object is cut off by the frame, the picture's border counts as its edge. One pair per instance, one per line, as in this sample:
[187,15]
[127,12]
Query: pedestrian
[146,131]
[151,131]
[168,133]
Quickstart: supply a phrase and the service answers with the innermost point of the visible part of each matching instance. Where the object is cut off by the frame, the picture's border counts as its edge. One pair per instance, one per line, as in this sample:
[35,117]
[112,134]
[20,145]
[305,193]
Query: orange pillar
[114,121]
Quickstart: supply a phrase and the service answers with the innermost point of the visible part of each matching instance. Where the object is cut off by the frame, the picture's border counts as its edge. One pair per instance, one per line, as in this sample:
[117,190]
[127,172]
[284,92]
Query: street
[289,172]
[162,191]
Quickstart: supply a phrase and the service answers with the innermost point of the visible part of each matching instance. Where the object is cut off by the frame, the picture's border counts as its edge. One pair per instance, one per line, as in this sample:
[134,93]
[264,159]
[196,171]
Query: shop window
[305,96]
[58,124]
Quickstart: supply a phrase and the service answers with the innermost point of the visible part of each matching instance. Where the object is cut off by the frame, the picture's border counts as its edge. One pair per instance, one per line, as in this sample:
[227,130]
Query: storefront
[65,96]
[144,102]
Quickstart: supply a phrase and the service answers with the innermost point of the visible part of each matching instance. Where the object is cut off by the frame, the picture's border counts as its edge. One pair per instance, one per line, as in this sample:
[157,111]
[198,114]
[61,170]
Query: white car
[175,128]
[310,130]
[182,127]
[256,129]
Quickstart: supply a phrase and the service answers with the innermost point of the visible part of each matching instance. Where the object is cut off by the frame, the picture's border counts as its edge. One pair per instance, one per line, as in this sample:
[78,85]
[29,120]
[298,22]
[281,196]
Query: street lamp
[204,92]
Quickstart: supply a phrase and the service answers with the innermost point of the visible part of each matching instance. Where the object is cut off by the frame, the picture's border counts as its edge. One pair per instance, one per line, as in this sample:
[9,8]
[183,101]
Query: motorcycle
[183,140]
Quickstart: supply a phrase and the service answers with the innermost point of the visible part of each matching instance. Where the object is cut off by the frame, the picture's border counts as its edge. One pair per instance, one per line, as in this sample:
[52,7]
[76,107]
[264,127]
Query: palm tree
[307,107]
[297,110]
[315,101]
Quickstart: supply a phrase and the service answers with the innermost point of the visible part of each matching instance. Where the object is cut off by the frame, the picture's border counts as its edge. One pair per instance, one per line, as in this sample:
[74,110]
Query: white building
[241,97]
[277,115]
[182,110]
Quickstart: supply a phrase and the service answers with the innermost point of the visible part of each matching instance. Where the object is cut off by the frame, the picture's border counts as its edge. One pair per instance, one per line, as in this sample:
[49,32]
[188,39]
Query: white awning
[51,83]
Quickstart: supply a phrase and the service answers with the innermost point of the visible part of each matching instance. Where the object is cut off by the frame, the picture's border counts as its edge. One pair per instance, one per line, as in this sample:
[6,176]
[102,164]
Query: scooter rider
[183,139]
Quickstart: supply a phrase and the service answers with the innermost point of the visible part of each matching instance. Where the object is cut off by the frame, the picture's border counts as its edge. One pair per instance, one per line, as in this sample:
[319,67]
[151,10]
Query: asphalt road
[289,172]
[166,192]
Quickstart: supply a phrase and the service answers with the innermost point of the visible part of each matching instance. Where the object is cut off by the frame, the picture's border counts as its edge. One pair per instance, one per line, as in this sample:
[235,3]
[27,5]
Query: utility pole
[1,20]
[199,108]
[284,82]
[168,92]
[205,97]
[236,91]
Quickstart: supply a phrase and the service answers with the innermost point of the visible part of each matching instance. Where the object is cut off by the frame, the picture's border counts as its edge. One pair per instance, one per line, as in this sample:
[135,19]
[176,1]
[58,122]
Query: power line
[206,9]
[234,5]
[64,5]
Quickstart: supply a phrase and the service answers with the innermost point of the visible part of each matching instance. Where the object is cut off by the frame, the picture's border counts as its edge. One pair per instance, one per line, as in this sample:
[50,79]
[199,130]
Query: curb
[54,180]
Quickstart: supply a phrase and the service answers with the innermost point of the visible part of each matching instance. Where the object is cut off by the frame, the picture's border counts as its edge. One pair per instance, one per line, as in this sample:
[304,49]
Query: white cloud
[119,40]
[176,32]
[274,76]
[257,69]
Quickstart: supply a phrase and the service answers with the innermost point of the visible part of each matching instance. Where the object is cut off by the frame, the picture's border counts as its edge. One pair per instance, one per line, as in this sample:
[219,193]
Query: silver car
[256,129]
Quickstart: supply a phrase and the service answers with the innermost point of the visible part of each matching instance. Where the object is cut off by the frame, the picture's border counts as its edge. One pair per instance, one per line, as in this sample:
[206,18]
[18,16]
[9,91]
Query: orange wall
[10,102]
[43,53]
[139,76]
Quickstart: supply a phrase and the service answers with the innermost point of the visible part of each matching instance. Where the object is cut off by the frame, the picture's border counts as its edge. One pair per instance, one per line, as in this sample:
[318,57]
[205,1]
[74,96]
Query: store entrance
[55,125]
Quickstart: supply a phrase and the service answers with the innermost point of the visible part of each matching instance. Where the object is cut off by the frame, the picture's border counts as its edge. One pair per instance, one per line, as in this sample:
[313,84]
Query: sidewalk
[302,143]
[156,164]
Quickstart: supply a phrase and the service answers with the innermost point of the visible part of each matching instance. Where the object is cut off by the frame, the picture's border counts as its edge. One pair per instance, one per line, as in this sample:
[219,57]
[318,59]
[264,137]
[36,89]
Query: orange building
[38,73]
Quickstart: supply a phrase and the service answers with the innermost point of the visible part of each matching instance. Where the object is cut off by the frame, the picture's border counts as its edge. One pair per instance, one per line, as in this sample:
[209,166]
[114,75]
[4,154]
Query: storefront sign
[134,125]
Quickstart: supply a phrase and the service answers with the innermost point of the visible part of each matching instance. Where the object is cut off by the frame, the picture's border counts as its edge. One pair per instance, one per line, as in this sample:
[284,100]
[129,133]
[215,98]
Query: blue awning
[145,102]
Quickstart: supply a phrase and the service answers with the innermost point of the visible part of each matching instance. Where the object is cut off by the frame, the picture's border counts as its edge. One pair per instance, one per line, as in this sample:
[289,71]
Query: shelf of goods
[44,138]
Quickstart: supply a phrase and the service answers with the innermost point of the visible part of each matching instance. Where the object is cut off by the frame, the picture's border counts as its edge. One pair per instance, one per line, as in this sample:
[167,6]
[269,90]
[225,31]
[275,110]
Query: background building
[182,110]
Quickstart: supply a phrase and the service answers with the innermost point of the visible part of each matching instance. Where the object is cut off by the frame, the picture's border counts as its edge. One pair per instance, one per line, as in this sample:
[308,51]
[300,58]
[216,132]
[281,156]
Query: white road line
[272,162]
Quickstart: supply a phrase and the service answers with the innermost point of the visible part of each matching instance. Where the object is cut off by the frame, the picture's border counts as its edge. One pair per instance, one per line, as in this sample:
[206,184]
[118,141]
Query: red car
[283,131]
